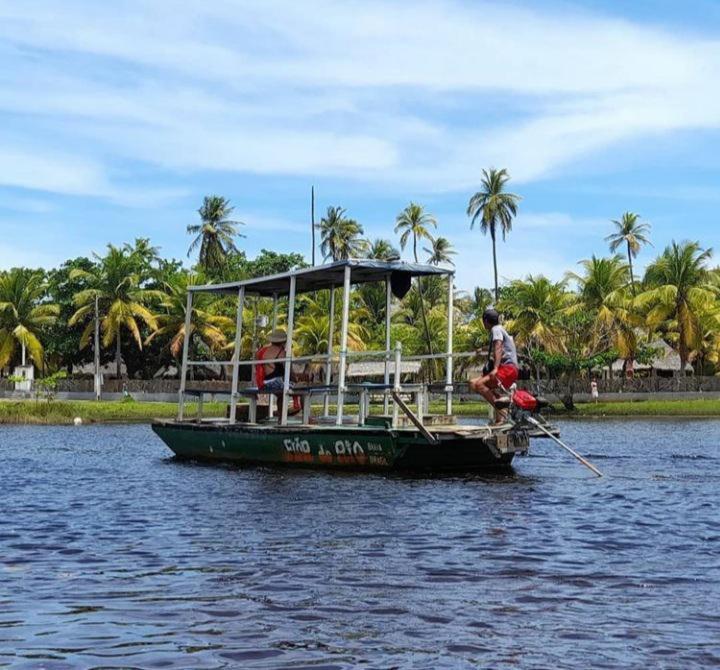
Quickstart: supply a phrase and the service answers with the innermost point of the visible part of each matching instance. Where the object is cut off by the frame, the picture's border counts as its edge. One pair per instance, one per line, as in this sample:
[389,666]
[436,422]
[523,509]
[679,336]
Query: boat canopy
[324,277]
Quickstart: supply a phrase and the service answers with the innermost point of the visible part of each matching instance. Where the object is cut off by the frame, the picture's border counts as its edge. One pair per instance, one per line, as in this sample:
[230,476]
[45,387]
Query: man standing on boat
[501,372]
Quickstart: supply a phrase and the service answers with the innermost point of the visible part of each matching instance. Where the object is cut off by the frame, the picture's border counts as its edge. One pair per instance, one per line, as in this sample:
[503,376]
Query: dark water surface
[115,555]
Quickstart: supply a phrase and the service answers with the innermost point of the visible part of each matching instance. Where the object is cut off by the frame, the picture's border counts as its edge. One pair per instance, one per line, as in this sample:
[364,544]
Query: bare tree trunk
[118,356]
[432,365]
[632,278]
[492,235]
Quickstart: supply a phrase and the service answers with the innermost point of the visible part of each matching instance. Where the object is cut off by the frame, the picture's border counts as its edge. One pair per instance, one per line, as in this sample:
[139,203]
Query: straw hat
[278,336]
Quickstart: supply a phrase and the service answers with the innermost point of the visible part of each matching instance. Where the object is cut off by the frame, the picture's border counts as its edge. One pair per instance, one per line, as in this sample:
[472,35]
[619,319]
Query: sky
[117,118]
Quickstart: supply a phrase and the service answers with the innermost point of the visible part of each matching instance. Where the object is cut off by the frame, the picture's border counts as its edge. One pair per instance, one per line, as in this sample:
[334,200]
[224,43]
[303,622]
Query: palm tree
[205,325]
[634,234]
[122,301]
[382,250]
[603,293]
[414,221]
[23,314]
[216,232]
[494,207]
[535,306]
[680,295]
[340,237]
[440,252]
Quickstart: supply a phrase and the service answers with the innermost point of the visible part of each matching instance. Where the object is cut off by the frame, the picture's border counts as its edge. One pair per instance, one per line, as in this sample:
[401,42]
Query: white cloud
[418,95]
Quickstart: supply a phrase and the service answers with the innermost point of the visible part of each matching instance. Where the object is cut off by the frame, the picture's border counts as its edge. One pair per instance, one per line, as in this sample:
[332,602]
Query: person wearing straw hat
[270,376]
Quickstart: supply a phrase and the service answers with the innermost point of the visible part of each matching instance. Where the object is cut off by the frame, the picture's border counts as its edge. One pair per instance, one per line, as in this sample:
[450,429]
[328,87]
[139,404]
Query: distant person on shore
[594,390]
[502,367]
[270,376]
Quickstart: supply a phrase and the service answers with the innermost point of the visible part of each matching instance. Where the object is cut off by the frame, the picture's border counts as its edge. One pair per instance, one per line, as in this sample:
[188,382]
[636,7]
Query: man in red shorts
[503,364]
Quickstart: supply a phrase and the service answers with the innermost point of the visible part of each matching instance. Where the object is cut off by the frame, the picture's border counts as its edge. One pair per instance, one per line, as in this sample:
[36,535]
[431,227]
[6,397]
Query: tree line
[563,328]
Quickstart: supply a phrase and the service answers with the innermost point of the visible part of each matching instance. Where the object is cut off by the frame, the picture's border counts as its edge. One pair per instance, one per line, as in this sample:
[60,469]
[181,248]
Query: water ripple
[115,555]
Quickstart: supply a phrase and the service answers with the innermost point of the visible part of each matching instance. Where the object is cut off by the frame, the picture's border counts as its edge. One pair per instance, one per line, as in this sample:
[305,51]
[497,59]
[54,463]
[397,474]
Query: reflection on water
[115,555]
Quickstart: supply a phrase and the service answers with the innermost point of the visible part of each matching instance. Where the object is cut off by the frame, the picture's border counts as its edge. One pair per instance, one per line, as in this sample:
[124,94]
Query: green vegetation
[65,411]
[564,329]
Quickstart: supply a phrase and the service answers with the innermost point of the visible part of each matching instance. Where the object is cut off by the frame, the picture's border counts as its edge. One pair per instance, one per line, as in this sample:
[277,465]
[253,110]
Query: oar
[584,461]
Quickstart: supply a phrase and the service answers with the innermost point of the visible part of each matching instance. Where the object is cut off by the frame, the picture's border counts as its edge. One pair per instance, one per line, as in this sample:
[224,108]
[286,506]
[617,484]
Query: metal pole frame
[449,361]
[186,346]
[388,304]
[236,355]
[271,397]
[288,352]
[96,352]
[328,365]
[343,346]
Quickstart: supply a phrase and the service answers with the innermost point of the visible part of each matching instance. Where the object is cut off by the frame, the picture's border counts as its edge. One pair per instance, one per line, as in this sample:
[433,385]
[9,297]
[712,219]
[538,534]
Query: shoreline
[63,412]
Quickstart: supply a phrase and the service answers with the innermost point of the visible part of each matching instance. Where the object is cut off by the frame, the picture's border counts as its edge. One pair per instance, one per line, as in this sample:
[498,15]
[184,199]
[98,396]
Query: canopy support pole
[343,346]
[328,365]
[186,346]
[388,304]
[236,355]
[288,353]
[449,361]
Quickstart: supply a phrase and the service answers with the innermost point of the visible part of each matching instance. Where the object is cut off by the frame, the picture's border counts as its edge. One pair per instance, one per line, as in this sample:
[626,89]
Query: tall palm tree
[216,232]
[680,295]
[206,325]
[494,208]
[441,251]
[340,236]
[23,314]
[629,231]
[414,222]
[122,301]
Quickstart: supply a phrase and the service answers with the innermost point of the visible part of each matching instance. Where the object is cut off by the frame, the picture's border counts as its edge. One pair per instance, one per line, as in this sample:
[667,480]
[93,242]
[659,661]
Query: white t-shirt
[509,353]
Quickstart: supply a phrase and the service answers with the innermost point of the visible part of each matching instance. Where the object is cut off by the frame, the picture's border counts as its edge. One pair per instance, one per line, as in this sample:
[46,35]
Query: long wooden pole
[386,377]
[584,461]
[96,353]
[312,221]
[449,361]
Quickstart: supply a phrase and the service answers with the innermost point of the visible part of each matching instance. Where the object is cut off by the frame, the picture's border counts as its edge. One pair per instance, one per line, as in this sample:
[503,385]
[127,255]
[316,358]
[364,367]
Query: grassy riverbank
[90,411]
[65,411]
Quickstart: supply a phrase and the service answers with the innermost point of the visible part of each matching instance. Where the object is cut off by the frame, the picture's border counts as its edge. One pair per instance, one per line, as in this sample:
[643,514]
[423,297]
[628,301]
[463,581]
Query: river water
[114,555]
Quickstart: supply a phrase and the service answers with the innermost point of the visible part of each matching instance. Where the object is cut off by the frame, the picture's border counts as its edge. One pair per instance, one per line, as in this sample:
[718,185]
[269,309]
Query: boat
[402,436]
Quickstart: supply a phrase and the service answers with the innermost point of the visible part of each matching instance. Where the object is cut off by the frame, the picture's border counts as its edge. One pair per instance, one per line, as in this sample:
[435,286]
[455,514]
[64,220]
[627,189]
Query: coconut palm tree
[629,231]
[23,314]
[382,250]
[603,293]
[680,295]
[340,236]
[494,208]
[535,306]
[216,232]
[441,251]
[206,325]
[122,301]
[414,222]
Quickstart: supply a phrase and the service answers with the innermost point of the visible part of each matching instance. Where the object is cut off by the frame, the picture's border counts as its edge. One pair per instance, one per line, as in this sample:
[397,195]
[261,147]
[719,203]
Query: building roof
[324,277]
[667,360]
[377,368]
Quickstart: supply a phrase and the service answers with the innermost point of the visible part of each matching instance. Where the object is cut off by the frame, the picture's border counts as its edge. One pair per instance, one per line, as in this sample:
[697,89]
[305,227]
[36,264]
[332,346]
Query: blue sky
[116,118]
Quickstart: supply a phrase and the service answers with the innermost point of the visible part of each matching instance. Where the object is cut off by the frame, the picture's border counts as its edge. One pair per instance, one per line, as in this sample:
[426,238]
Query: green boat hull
[358,448]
